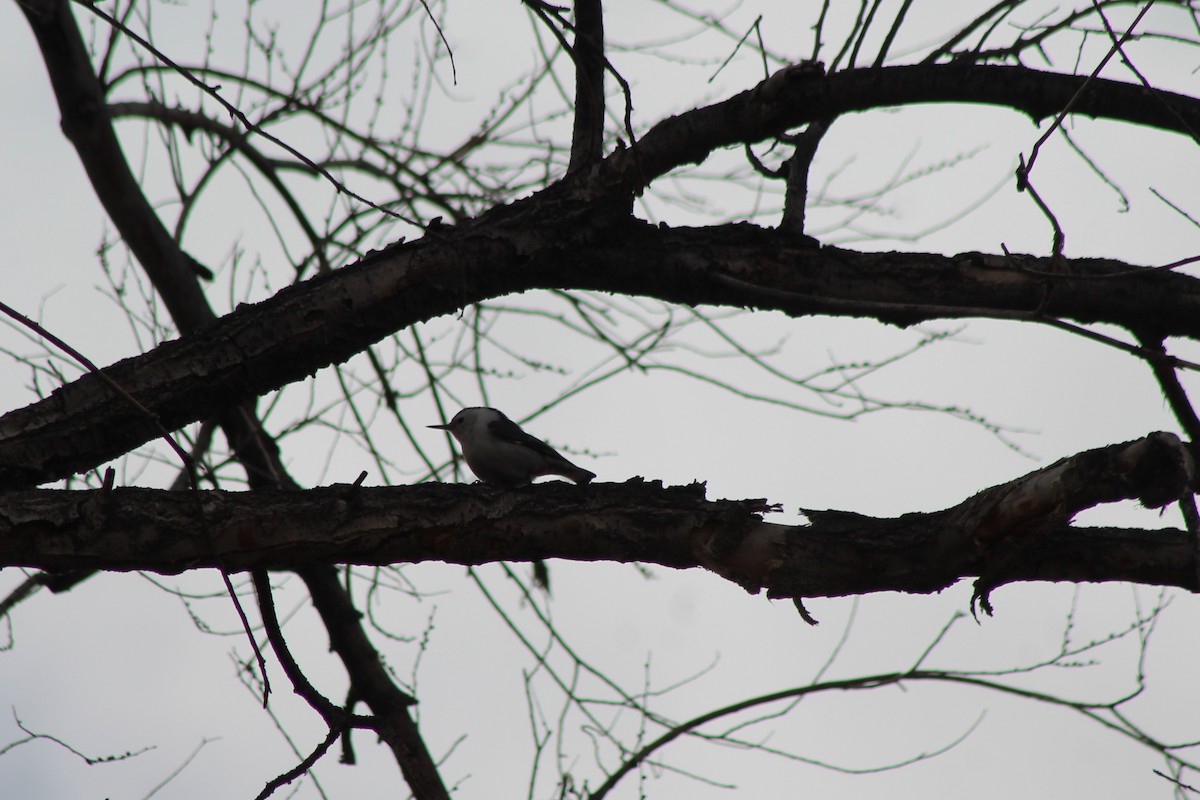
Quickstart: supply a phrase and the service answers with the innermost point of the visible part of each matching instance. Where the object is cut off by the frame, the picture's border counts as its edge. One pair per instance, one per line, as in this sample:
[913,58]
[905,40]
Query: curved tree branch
[262,347]
[797,95]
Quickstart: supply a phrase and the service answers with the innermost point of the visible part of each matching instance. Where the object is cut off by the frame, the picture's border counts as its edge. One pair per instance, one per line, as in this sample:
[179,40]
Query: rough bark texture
[1017,531]
[261,347]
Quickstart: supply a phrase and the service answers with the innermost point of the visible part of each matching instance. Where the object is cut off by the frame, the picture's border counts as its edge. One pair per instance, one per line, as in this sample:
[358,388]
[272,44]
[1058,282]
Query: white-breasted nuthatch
[499,452]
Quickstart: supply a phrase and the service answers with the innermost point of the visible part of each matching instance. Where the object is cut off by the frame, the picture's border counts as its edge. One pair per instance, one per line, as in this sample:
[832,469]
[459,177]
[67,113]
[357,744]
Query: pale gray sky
[117,664]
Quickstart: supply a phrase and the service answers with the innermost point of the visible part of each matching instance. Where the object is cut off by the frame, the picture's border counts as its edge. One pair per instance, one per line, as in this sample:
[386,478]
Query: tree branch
[262,347]
[85,122]
[371,680]
[587,137]
[798,95]
[563,238]
[1016,531]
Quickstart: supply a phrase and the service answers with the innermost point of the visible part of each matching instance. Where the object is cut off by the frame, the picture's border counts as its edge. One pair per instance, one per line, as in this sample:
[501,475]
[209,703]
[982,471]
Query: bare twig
[188,462]
[1025,168]
[237,113]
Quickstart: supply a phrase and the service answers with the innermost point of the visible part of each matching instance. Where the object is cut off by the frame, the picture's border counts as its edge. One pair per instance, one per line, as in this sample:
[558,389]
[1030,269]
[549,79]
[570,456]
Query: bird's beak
[445,427]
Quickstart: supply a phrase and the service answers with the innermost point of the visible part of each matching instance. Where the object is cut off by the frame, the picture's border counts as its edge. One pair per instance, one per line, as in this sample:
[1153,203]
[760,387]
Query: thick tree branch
[262,347]
[1016,531]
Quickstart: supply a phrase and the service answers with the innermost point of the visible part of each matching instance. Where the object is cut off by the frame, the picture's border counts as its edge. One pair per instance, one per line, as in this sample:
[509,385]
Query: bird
[500,453]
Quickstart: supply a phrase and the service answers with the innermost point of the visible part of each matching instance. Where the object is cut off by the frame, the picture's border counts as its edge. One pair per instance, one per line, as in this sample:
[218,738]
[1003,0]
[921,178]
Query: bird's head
[471,422]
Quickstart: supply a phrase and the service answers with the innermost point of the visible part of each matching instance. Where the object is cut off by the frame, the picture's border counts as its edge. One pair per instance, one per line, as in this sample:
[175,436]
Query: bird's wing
[508,431]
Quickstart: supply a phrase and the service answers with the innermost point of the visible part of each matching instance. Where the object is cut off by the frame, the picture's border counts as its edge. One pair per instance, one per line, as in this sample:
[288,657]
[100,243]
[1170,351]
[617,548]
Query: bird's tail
[572,472]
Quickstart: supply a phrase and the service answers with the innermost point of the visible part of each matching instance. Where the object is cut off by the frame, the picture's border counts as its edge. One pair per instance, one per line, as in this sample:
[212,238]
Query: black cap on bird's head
[470,417]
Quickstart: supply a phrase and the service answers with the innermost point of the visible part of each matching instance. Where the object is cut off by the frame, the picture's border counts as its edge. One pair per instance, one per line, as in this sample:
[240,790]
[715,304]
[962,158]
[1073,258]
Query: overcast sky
[118,665]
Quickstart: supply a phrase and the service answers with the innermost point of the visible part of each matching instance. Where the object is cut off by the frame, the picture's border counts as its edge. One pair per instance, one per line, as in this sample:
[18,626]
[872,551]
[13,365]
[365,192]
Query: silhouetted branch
[1015,531]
